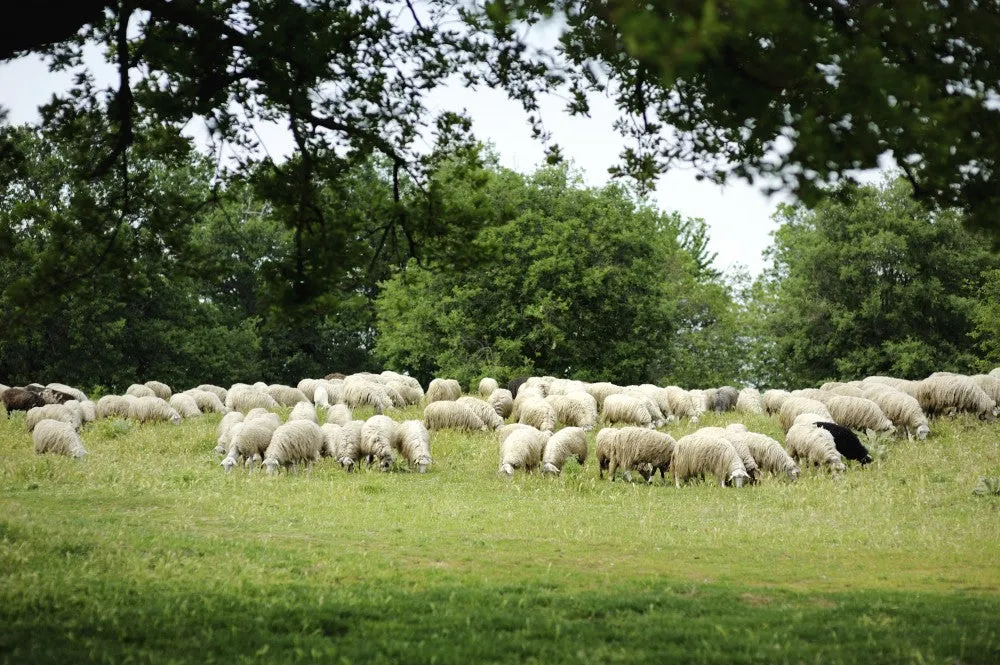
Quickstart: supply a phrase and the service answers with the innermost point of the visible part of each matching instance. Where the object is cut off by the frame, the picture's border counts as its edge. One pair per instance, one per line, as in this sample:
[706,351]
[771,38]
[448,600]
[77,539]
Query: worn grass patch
[147,551]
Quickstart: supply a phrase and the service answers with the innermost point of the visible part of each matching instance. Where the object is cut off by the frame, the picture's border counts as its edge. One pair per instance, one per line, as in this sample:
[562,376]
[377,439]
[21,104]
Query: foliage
[986,315]
[869,283]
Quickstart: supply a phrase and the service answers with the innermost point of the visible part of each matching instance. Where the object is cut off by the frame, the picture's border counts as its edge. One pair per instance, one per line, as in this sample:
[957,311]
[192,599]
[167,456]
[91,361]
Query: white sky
[738,215]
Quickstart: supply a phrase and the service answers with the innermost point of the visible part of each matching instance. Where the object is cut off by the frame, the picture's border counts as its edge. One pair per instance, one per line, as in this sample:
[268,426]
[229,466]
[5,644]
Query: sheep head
[228,464]
[551,469]
[923,431]
[271,465]
[738,478]
[506,469]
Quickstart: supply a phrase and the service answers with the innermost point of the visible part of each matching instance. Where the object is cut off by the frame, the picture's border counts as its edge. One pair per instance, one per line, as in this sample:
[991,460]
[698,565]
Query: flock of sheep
[549,421]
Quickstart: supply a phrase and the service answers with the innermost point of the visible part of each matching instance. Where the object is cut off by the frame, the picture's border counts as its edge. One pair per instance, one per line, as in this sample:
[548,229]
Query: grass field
[146,551]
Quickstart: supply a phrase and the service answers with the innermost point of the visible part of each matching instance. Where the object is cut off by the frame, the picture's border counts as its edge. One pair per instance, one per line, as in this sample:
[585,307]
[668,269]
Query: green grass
[146,551]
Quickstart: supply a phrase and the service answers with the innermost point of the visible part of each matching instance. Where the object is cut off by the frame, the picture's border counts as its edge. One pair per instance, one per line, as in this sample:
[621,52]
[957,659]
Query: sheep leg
[612,469]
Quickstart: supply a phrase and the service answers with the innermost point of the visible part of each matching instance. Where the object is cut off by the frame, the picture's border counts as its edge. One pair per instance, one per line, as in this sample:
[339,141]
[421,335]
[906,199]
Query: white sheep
[359,392]
[813,393]
[538,413]
[286,395]
[377,436]
[620,408]
[482,409]
[295,442]
[74,393]
[575,409]
[698,454]
[502,402]
[902,385]
[263,414]
[522,449]
[995,372]
[414,392]
[223,433]
[948,394]
[244,398]
[153,409]
[487,386]
[308,388]
[407,393]
[793,406]
[524,394]
[58,438]
[989,384]
[682,405]
[86,410]
[185,405]
[600,391]
[903,410]
[303,411]
[321,397]
[845,390]
[506,430]
[207,400]
[413,442]
[451,415]
[140,390]
[58,412]
[248,441]
[657,417]
[339,414]
[733,436]
[815,446]
[749,401]
[768,454]
[218,391]
[333,438]
[159,389]
[567,442]
[635,449]
[858,413]
[774,399]
[443,390]
[111,406]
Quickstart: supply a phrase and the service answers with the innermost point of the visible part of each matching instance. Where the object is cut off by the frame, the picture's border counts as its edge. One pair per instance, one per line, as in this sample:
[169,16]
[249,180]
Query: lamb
[377,436]
[858,413]
[359,392]
[637,449]
[245,398]
[207,400]
[815,445]
[522,449]
[58,412]
[903,410]
[451,415]
[21,399]
[767,453]
[249,440]
[576,409]
[698,454]
[112,406]
[185,405]
[626,409]
[502,402]
[295,442]
[750,401]
[286,395]
[774,399]
[413,442]
[159,389]
[793,406]
[487,386]
[951,393]
[443,390]
[567,442]
[847,442]
[538,413]
[338,414]
[482,409]
[224,430]
[733,436]
[303,411]
[682,405]
[140,390]
[152,408]
[58,438]
[60,393]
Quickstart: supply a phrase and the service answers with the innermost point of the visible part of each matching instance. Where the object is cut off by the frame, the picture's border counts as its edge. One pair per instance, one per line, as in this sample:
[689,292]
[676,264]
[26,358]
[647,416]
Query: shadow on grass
[491,624]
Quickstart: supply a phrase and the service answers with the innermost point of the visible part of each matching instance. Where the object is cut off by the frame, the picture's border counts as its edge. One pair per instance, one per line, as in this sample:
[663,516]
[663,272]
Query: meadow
[147,552]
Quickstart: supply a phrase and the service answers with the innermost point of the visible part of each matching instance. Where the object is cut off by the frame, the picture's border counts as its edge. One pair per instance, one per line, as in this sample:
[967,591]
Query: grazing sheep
[303,411]
[395,397]
[286,395]
[637,449]
[698,454]
[847,442]
[451,415]
[657,416]
[903,410]
[682,405]
[114,406]
[482,409]
[515,384]
[814,445]
[733,436]
[153,409]
[575,409]
[767,453]
[245,398]
[487,386]
[995,372]
[567,442]
[989,384]
[600,391]
[527,392]
[342,443]
[813,393]
[902,385]
[59,412]
[793,406]
[845,390]
[660,397]
[248,441]
[413,442]
[140,390]
[218,391]
[359,392]
[21,399]
[54,392]
[774,399]
[538,413]
[565,387]
[502,402]
[159,389]
[522,449]
[207,400]
[725,399]
[185,405]
[295,442]
[506,430]
[406,392]
[948,394]
[86,410]
[58,438]
[377,436]
[858,413]
[339,414]
[702,400]
[626,409]
[406,379]
[443,390]
[602,449]
[749,401]
[223,433]
[321,397]
[308,388]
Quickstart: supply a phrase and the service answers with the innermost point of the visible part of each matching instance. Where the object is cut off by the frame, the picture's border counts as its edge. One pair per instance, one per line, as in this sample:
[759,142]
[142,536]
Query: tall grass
[147,551]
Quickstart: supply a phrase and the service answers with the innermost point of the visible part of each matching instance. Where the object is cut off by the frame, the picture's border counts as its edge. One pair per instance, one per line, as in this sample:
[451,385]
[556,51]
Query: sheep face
[175,418]
[220,449]
[550,469]
[793,472]
[867,459]
[738,478]
[271,465]
[507,470]
[347,463]
[422,463]
[79,453]
[923,431]
[228,464]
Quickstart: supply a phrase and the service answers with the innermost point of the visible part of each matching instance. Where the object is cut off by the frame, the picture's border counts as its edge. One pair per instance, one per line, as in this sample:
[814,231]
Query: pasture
[146,551]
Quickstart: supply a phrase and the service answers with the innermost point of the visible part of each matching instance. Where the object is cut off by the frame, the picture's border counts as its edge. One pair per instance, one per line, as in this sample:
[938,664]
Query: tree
[986,315]
[869,283]
[571,281]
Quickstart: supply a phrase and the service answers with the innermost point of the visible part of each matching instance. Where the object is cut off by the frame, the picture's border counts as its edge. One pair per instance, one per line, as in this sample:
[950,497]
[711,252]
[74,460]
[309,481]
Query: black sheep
[847,442]
[515,384]
[21,399]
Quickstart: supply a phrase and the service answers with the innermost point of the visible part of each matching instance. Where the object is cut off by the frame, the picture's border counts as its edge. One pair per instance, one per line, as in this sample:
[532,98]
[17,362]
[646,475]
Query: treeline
[168,270]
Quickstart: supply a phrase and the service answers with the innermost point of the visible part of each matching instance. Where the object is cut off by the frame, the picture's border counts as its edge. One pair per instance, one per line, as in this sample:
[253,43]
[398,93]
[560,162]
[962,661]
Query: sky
[738,215]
